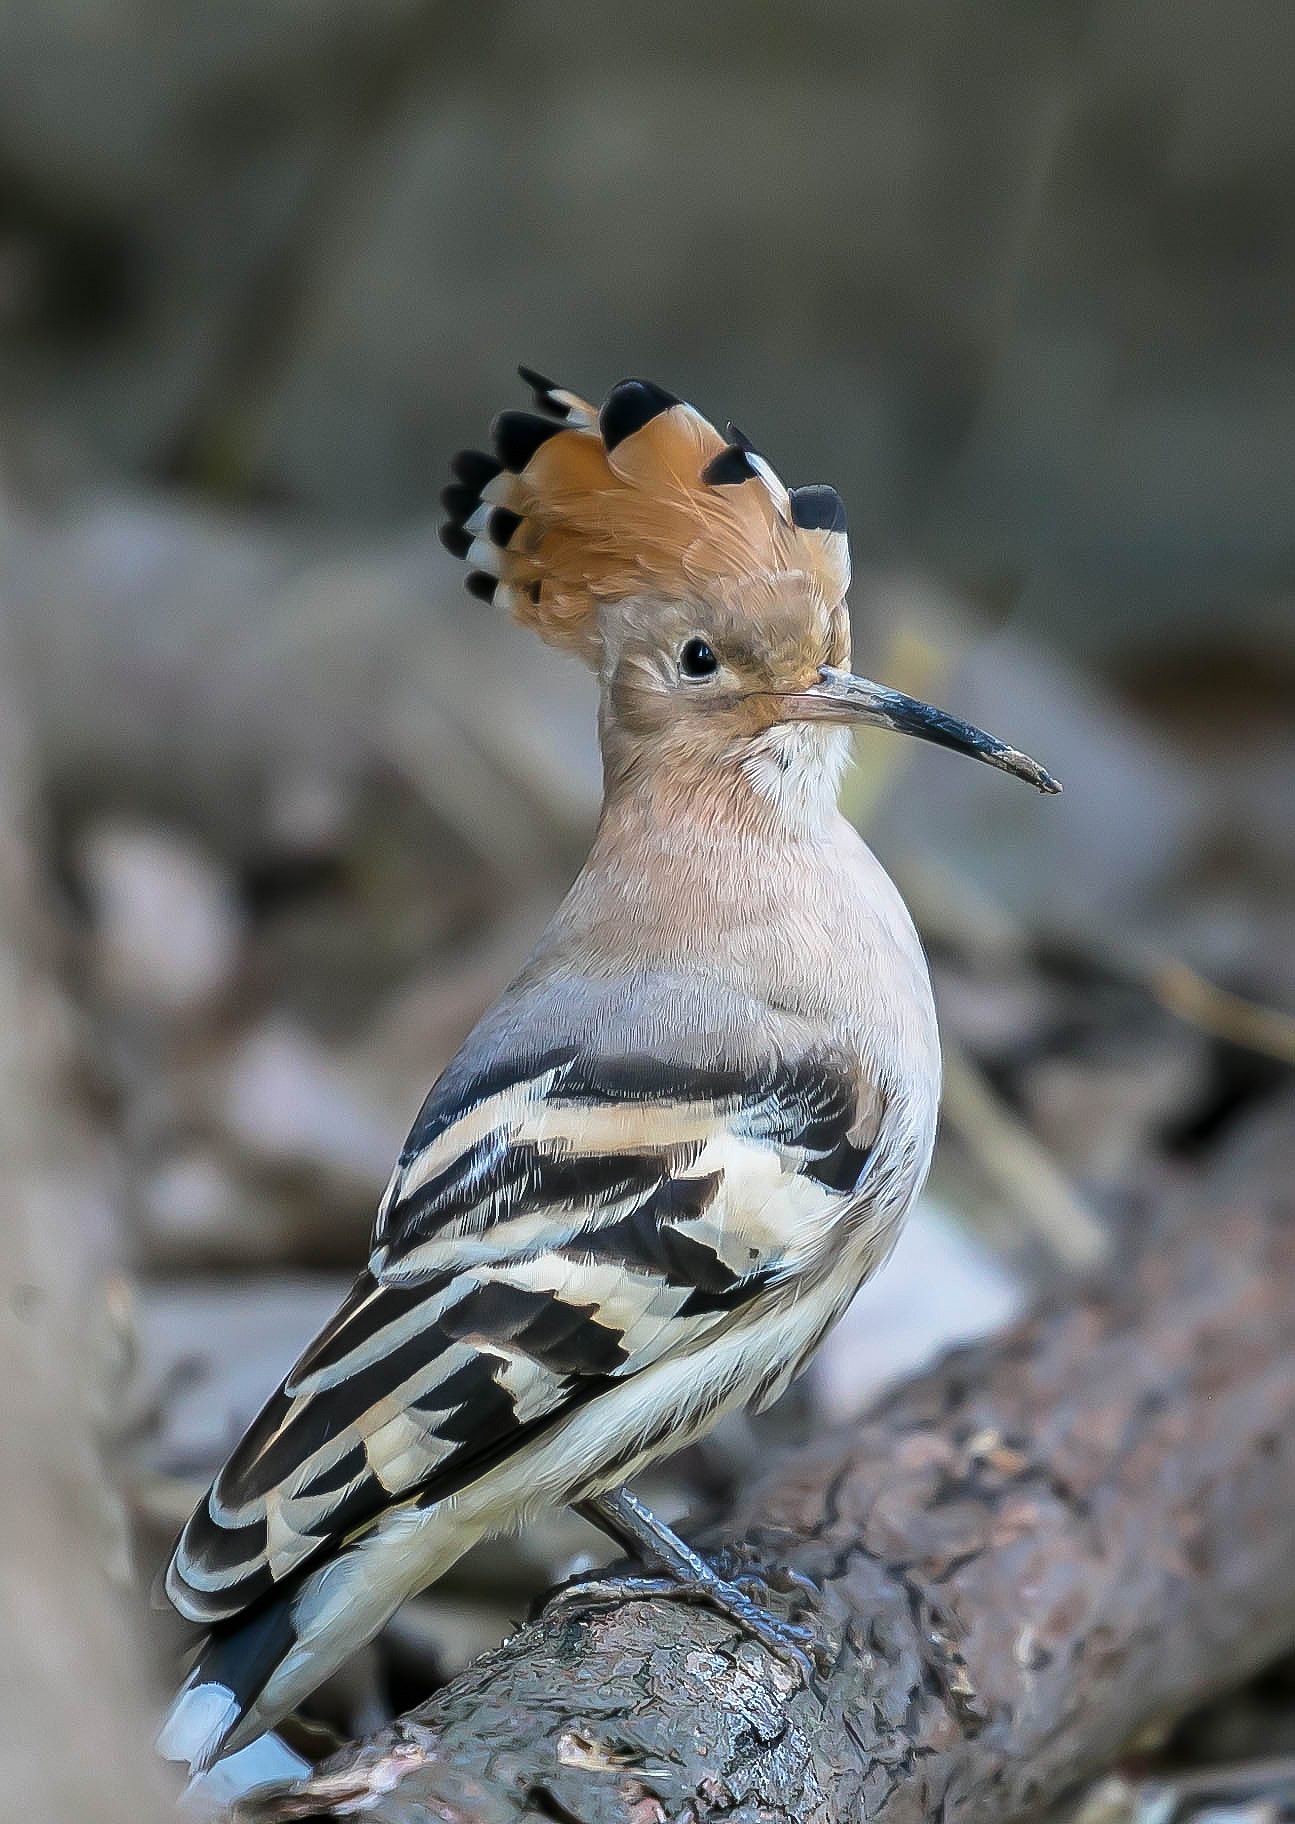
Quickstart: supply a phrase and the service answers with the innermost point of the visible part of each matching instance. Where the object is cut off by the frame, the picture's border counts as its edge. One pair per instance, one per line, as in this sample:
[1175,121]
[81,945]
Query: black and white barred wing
[548,1232]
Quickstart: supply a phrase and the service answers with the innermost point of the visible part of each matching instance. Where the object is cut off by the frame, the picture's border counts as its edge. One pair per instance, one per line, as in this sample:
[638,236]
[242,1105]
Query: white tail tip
[196,1724]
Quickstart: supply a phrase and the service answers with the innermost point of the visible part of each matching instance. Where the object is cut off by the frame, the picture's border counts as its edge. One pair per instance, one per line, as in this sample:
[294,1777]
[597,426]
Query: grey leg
[689,1577]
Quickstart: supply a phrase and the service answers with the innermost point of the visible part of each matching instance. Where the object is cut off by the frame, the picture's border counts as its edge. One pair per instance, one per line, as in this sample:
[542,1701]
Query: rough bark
[1024,1556]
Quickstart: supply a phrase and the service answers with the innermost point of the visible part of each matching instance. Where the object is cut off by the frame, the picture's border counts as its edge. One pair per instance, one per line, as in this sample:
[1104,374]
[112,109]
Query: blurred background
[281,809]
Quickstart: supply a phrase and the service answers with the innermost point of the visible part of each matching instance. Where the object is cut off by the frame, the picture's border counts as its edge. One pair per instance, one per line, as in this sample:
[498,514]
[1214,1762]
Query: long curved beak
[841,697]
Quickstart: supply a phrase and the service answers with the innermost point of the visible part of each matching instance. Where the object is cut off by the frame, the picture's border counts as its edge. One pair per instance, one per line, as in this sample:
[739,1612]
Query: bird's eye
[696,660]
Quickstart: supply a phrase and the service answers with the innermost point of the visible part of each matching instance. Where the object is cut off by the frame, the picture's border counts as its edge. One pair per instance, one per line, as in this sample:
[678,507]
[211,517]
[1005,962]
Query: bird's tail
[215,1709]
[257,1666]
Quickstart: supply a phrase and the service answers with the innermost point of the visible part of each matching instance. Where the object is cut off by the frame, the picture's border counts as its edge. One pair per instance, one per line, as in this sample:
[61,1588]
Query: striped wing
[556,1226]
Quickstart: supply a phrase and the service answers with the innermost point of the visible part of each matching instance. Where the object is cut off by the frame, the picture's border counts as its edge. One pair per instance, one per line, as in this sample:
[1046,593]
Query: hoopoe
[663,1163]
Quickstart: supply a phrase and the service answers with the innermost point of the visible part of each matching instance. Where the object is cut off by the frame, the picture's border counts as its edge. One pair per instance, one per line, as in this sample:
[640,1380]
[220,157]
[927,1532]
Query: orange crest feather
[579,506]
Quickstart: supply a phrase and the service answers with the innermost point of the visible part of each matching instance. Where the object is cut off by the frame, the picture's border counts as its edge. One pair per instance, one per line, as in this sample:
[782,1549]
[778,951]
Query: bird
[664,1161]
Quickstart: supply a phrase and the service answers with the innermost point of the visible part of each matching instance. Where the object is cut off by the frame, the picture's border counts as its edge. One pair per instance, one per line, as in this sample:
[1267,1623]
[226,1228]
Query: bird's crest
[580,505]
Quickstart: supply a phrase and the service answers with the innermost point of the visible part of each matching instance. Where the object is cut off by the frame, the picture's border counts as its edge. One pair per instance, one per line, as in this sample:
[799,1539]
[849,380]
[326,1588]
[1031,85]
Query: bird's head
[709,597]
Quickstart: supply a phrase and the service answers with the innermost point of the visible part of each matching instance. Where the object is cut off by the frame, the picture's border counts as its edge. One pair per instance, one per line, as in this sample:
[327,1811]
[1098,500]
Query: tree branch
[1023,1555]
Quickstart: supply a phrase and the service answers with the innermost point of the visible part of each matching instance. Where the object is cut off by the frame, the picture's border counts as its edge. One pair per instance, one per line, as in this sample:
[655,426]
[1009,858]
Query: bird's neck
[758,876]
[778,787]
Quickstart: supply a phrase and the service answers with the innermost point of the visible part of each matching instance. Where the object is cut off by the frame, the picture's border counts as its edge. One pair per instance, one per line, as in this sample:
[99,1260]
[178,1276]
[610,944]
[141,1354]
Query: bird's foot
[730,1563]
[789,1641]
[742,1599]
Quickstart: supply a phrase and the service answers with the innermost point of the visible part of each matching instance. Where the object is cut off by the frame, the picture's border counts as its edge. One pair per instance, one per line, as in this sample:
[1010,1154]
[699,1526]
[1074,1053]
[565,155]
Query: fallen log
[1023,1557]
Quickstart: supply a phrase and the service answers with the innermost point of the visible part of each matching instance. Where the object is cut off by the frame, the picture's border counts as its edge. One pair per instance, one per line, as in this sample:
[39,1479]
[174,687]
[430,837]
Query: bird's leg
[689,1577]
[635,1527]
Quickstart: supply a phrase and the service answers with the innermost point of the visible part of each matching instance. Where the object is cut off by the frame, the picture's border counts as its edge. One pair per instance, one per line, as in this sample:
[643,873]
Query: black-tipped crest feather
[629,406]
[517,436]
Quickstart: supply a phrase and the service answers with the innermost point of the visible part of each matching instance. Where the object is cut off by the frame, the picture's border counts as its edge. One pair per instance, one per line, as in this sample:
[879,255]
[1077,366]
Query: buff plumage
[664,1161]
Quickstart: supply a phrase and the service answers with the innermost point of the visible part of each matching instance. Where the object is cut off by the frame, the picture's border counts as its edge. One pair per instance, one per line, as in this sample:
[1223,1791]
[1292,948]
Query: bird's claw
[791,1641]
[610,1589]
[778,1579]
[733,1562]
